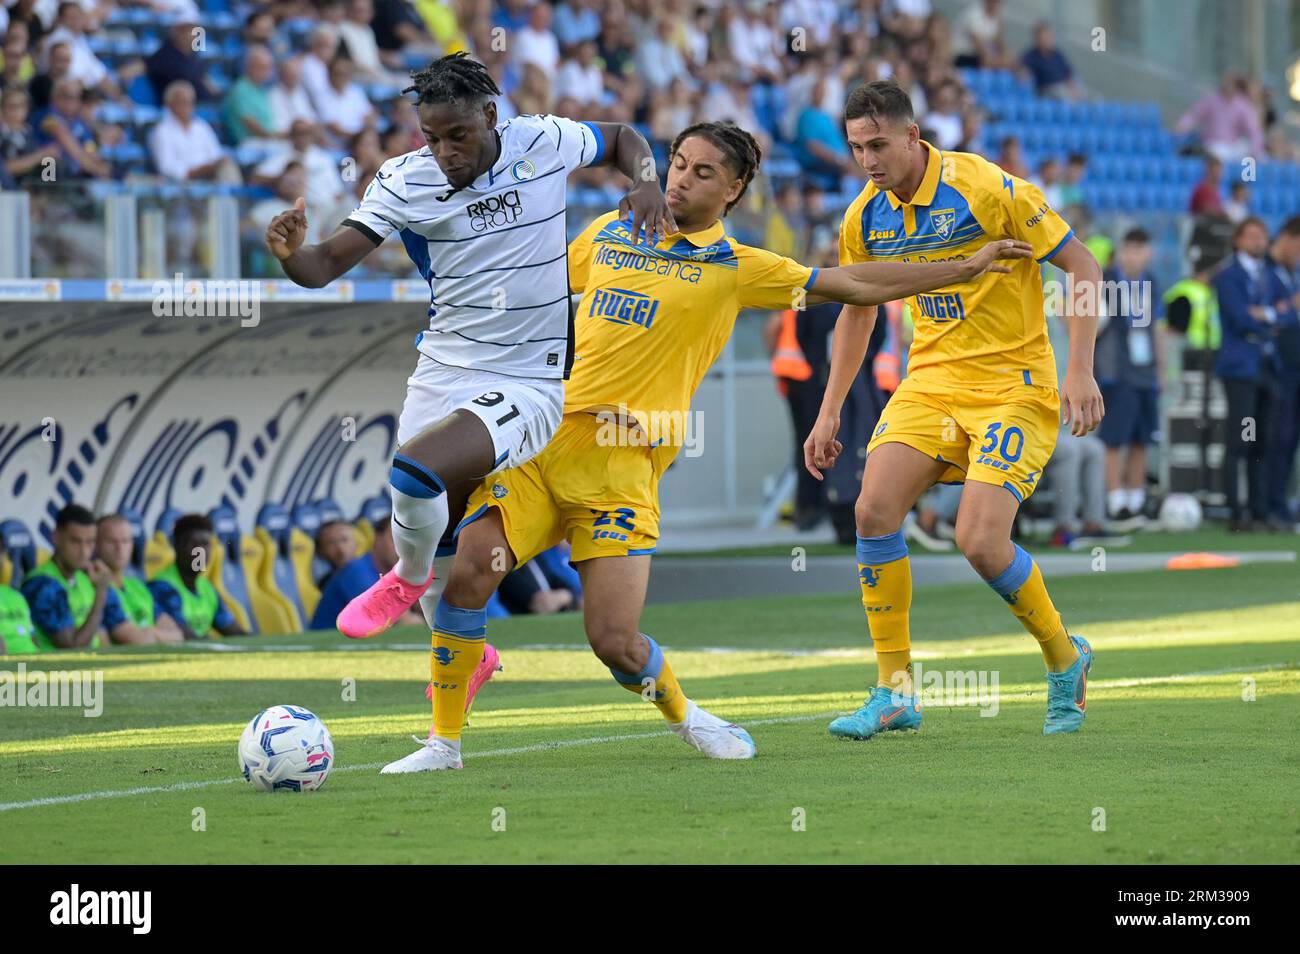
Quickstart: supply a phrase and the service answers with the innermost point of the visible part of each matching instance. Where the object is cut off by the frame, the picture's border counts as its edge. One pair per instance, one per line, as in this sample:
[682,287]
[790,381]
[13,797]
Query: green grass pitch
[561,765]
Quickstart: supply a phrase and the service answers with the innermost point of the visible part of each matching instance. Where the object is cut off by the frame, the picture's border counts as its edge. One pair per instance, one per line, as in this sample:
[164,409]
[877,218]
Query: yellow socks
[668,695]
[1021,585]
[885,573]
[459,636]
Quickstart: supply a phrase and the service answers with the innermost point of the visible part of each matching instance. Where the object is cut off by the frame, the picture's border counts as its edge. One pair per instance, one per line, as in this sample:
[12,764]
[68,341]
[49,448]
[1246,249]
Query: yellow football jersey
[653,320]
[984,333]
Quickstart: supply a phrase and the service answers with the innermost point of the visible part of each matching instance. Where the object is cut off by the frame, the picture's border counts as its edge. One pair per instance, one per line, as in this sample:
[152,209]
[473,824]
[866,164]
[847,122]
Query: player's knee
[983,550]
[480,566]
[875,518]
[612,643]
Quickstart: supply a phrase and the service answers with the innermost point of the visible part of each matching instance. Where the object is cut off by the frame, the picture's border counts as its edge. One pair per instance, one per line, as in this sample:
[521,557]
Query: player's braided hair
[452,78]
[742,153]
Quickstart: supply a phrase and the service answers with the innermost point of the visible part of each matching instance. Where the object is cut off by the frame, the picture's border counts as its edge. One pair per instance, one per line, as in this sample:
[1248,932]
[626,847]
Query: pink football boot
[489,667]
[381,606]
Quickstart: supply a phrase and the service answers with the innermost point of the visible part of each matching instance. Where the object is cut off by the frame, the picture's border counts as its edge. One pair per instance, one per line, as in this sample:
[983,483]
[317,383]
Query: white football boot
[712,736]
[433,756]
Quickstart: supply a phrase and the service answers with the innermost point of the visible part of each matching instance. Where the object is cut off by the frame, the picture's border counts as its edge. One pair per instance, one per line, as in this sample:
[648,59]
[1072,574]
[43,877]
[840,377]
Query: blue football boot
[1067,692]
[883,711]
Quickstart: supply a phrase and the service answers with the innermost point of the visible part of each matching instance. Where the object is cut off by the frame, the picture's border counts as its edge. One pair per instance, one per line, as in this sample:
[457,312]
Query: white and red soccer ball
[286,749]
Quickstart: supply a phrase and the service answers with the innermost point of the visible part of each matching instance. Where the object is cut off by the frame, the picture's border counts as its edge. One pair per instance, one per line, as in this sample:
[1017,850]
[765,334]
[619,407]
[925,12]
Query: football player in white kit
[481,211]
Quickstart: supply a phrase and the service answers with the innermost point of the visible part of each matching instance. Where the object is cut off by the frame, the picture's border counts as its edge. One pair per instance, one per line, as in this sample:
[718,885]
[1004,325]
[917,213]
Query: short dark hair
[1246,223]
[1291,226]
[1137,236]
[326,524]
[881,99]
[454,78]
[189,524]
[1076,159]
[739,149]
[74,513]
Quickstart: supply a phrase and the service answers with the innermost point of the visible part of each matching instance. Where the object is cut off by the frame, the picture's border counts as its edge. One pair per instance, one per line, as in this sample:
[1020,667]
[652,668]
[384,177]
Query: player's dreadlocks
[738,147]
[452,78]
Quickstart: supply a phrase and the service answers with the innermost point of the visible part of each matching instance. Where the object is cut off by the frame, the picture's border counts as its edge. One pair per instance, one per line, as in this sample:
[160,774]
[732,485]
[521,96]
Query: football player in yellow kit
[651,322]
[980,403]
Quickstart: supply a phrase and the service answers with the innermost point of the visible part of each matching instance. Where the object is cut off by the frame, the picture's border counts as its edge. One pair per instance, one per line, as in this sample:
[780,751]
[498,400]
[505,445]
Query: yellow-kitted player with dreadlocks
[651,322]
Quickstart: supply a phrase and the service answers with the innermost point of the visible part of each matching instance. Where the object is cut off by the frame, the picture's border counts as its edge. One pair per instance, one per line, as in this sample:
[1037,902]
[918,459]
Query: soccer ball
[286,748]
[1180,512]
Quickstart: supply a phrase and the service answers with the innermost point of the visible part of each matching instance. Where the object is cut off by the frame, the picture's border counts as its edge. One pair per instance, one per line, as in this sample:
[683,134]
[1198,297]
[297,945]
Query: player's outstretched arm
[848,350]
[873,283]
[627,150]
[1082,407]
[314,266]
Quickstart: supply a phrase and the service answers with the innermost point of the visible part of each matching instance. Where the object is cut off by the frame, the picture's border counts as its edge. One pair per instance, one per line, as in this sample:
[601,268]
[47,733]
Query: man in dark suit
[1249,294]
[1284,261]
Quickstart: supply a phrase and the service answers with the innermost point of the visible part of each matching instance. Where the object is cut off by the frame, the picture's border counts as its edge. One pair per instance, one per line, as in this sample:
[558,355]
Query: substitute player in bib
[980,402]
[481,211]
[651,323]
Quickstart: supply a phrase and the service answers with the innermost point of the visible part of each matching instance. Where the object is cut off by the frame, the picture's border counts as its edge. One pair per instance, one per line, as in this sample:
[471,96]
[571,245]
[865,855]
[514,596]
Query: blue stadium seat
[141,91]
[328,510]
[225,528]
[21,548]
[274,520]
[375,509]
[167,520]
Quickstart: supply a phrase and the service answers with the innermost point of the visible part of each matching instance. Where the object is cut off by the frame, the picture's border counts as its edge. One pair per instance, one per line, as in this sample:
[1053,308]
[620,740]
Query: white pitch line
[516,750]
[593,740]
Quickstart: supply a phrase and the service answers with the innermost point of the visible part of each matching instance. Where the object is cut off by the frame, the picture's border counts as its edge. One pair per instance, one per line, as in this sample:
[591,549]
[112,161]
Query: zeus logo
[445,655]
[869,576]
[495,211]
[624,307]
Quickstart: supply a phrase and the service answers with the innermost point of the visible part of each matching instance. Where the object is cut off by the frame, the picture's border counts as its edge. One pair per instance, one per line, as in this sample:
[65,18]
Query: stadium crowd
[269,101]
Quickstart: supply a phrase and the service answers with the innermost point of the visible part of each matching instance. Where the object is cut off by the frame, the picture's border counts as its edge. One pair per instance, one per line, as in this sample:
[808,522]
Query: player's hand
[1081,405]
[821,449]
[287,230]
[99,574]
[649,210]
[985,260]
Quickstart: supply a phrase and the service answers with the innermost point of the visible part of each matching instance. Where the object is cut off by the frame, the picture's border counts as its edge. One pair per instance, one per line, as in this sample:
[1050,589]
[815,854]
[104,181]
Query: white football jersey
[495,254]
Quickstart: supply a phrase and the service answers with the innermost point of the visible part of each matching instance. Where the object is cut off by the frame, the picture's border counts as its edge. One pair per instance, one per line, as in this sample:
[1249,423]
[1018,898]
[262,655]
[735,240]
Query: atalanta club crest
[523,170]
[943,220]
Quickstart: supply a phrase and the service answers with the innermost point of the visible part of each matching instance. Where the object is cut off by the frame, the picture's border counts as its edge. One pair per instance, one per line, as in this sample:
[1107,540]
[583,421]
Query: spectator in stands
[184,146]
[1128,360]
[400,29]
[1284,260]
[1227,121]
[1237,207]
[1248,292]
[980,43]
[819,145]
[350,109]
[62,126]
[325,190]
[582,79]
[289,98]
[70,28]
[1047,66]
[20,153]
[533,94]
[511,15]
[247,106]
[184,593]
[141,622]
[576,22]
[17,631]
[1207,197]
[358,37]
[177,59]
[944,119]
[1049,180]
[17,67]
[535,43]
[1077,470]
[358,575]
[907,19]
[1012,158]
[336,544]
[322,50]
[288,184]
[58,67]
[70,592]
[1076,170]
[658,60]
[260,30]
[615,48]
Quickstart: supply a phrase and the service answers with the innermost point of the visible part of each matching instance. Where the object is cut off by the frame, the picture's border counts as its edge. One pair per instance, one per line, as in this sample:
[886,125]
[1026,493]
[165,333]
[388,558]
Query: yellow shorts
[601,497]
[1002,436]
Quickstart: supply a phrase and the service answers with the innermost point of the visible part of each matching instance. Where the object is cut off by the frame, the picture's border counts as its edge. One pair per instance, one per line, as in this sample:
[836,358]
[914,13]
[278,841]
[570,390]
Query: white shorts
[521,414]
